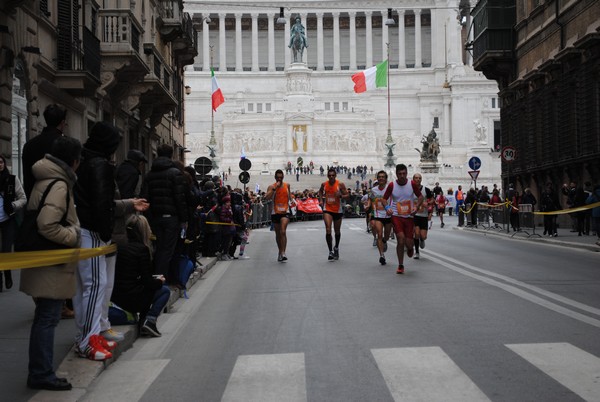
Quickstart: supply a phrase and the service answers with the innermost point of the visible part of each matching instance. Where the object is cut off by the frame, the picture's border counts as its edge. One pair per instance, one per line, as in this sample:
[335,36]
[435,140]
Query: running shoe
[382,260]
[422,243]
[279,258]
[283,257]
[330,258]
[243,257]
[374,242]
[410,252]
[336,253]
[400,269]
[442,225]
[384,246]
[417,255]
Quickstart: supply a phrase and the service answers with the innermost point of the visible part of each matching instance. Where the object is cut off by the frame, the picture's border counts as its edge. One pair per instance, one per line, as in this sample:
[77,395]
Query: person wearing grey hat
[129,174]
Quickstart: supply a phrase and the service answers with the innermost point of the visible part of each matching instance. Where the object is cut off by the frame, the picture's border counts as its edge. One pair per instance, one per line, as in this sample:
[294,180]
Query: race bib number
[378,202]
[280,208]
[404,207]
[331,199]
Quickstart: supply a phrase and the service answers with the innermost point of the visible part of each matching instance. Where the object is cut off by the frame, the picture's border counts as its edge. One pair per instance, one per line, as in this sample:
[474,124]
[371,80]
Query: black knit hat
[104,138]
[136,156]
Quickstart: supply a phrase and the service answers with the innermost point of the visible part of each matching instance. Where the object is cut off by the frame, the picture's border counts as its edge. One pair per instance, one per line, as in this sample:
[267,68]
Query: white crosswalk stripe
[266,378]
[572,367]
[425,374]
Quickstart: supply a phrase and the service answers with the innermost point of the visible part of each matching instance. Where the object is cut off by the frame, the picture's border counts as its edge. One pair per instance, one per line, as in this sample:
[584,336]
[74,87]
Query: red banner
[309,206]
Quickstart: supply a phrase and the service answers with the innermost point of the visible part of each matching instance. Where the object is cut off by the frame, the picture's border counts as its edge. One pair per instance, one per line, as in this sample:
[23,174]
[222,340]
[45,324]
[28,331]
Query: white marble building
[276,110]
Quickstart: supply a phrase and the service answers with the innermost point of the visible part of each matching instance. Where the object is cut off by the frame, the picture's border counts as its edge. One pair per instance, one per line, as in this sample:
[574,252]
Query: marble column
[418,57]
[320,52]
[336,40]
[352,40]
[369,39]
[205,45]
[384,37]
[271,32]
[286,40]
[222,46]
[447,129]
[238,42]
[401,40]
[303,18]
[254,41]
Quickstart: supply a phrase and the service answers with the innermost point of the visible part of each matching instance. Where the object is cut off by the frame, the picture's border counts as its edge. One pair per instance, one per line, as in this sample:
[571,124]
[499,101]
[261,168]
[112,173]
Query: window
[267,107]
[336,106]
[493,103]
[327,106]
[497,135]
[345,106]
[251,107]
[436,122]
[259,108]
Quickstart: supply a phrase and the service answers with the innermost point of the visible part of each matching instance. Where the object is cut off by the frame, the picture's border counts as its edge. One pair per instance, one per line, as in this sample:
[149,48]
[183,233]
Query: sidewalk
[16,310]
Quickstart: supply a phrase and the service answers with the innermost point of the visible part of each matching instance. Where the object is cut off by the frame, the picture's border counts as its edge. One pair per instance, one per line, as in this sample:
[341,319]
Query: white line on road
[425,374]
[572,367]
[267,378]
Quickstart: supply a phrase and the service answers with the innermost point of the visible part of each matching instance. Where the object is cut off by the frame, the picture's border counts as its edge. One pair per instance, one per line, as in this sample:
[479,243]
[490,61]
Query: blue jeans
[161,297]
[167,232]
[41,340]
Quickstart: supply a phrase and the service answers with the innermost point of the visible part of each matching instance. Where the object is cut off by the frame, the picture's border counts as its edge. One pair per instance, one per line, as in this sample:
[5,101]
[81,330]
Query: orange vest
[459,195]
[332,201]
[280,201]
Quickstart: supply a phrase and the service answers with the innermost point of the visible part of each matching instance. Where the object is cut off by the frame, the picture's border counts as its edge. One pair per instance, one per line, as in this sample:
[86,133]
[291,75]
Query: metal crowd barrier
[500,217]
[526,220]
[261,214]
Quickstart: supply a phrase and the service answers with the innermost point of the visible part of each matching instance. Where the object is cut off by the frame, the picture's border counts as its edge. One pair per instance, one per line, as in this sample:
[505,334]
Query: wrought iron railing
[76,54]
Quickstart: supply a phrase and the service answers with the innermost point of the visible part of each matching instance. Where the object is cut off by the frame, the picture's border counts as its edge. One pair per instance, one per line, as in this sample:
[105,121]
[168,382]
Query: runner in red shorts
[402,209]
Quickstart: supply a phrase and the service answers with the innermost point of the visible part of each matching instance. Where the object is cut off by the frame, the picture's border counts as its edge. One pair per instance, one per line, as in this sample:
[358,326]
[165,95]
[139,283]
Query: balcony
[78,61]
[493,44]
[120,50]
[170,22]
[184,46]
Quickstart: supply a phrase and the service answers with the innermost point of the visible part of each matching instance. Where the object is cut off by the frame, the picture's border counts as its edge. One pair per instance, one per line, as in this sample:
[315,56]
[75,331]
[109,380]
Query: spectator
[129,174]
[569,192]
[579,201]
[549,203]
[94,197]
[136,290]
[165,189]
[35,149]
[592,199]
[459,196]
[12,199]
[50,285]
[529,198]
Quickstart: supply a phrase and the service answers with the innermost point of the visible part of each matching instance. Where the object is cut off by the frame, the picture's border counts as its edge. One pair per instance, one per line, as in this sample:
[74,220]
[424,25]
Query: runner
[421,216]
[441,201]
[380,221]
[279,192]
[368,208]
[402,208]
[330,197]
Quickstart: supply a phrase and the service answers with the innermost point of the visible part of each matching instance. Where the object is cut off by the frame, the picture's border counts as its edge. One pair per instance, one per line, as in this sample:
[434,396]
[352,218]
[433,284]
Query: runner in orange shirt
[279,192]
[330,196]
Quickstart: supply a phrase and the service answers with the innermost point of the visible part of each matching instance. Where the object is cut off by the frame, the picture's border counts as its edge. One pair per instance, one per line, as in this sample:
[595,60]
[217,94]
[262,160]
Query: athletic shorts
[404,225]
[441,211]
[385,221]
[336,216]
[421,222]
[276,218]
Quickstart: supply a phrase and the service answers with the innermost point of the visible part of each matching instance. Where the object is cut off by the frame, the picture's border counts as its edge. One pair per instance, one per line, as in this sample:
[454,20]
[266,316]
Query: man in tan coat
[51,285]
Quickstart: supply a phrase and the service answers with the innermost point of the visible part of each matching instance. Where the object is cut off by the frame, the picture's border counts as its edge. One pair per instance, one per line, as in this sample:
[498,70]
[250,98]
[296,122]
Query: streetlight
[389,20]
[281,19]
[188,90]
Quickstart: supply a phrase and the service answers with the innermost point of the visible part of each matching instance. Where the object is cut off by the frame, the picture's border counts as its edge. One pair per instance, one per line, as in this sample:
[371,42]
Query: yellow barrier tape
[559,212]
[43,258]
[222,223]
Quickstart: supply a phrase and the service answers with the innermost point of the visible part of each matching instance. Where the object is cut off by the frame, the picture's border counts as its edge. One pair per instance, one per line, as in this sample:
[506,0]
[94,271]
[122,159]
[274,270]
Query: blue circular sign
[474,163]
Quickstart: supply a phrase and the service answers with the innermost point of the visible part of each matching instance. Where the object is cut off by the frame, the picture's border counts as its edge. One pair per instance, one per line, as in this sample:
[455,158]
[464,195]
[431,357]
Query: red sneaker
[400,269]
[106,344]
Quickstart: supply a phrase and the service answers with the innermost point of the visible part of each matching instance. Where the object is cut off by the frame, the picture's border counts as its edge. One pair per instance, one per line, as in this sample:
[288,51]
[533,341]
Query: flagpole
[389,138]
[212,141]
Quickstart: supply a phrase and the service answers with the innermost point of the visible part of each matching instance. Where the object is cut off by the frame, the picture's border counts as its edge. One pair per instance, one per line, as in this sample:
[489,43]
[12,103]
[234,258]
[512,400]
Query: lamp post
[212,141]
[389,138]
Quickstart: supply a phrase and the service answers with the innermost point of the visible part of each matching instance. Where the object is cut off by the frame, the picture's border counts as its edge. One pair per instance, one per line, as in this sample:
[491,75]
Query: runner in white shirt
[421,217]
[381,223]
[402,193]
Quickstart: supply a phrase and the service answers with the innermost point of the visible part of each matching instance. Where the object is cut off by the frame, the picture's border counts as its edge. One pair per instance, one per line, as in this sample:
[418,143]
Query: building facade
[119,61]
[277,110]
[545,56]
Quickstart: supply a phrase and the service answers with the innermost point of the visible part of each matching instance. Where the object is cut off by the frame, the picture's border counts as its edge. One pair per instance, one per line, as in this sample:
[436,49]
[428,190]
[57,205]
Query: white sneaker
[243,257]
[112,335]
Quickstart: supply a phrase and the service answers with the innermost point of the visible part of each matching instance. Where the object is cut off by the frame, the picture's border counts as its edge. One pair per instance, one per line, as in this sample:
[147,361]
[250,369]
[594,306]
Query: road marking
[574,368]
[425,374]
[127,381]
[267,378]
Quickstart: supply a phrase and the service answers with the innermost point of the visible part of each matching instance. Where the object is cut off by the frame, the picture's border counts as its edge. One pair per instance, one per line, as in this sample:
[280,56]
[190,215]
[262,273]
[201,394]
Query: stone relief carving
[341,140]
[480,132]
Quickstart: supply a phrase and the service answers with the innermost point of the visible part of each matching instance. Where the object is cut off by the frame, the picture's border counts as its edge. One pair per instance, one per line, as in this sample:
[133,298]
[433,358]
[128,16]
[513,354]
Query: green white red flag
[217,95]
[371,78]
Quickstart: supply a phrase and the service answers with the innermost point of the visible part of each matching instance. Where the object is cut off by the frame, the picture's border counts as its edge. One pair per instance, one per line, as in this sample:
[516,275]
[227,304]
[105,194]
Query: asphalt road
[476,318]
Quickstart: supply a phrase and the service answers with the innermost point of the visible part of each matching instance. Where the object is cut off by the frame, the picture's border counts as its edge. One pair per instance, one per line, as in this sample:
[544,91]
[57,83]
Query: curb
[515,236]
[82,372]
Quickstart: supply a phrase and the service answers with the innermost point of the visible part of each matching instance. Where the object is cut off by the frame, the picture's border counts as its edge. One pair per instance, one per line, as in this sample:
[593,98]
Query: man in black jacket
[129,174]
[94,197]
[165,189]
[35,149]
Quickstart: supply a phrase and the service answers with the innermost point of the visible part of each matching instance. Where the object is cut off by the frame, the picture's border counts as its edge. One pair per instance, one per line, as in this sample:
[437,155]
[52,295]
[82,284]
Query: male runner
[440,202]
[402,209]
[380,221]
[330,196]
[279,192]
[421,217]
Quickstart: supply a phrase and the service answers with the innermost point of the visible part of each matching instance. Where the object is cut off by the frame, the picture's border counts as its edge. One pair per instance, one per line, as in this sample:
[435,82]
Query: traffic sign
[203,165]
[244,177]
[508,154]
[474,174]
[245,164]
[475,163]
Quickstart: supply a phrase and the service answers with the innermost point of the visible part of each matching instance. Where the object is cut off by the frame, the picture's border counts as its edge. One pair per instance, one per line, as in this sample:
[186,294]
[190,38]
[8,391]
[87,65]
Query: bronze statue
[431,147]
[212,151]
[298,40]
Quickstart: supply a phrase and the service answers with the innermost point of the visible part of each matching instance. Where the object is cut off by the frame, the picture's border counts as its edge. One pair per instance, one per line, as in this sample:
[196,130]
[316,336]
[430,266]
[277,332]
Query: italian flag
[371,78]
[217,95]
